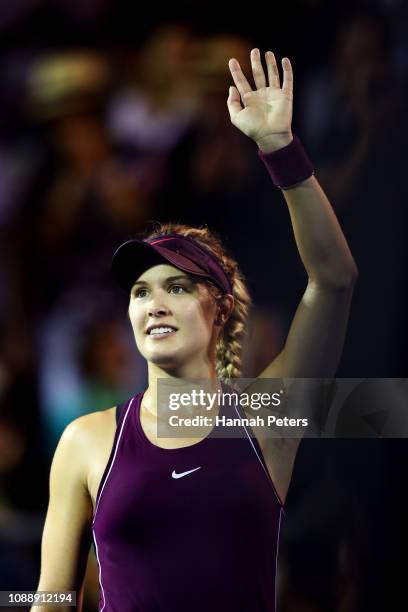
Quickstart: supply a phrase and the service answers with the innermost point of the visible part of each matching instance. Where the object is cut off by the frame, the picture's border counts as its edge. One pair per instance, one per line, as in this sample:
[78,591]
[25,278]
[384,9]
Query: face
[166,298]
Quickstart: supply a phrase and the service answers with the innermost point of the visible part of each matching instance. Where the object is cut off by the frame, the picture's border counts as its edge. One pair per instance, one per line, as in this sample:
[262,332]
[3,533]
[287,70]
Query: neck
[180,381]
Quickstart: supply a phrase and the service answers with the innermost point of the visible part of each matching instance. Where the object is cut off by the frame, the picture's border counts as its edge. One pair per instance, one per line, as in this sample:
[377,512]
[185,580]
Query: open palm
[265,113]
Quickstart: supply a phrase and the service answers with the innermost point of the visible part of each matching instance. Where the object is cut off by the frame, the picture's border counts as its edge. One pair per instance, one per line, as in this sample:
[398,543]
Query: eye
[139,292]
[175,289]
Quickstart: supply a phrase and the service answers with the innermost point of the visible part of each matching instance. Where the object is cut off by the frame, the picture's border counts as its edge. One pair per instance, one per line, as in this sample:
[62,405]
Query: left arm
[316,336]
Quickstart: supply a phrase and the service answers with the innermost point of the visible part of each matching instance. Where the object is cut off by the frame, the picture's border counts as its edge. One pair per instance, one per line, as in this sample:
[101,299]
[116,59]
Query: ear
[225,307]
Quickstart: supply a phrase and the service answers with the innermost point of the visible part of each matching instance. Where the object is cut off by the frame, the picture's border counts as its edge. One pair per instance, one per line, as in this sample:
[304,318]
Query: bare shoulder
[87,441]
[90,429]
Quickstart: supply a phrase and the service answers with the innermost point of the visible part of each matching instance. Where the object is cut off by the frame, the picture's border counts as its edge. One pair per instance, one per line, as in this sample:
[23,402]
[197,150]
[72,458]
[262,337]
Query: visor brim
[135,257]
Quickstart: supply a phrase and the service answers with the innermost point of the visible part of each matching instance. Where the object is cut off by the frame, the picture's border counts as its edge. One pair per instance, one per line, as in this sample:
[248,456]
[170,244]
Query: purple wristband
[289,165]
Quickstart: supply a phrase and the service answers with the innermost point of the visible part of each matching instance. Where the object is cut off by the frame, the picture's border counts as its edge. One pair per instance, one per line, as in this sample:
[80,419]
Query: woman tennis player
[192,525]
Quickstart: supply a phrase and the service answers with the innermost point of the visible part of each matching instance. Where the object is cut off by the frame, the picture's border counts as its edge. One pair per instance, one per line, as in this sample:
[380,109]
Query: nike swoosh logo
[175,475]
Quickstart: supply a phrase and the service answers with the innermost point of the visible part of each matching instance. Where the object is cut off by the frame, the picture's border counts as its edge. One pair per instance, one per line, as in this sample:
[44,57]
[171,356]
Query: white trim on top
[114,457]
[260,460]
[99,499]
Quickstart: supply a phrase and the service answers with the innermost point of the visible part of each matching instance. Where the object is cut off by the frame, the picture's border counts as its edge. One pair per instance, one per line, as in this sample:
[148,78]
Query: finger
[257,69]
[234,102]
[287,75]
[239,78]
[273,73]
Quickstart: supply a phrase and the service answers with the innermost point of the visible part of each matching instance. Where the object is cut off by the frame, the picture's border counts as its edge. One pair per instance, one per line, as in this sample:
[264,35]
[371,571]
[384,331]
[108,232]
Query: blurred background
[112,116]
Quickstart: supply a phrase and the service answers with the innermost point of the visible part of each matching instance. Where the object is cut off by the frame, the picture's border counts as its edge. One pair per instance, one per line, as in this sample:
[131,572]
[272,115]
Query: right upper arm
[67,532]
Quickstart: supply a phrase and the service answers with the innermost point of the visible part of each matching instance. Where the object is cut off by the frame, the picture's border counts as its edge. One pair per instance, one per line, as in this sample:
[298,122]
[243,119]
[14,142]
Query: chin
[165,357]
[171,360]
[164,361]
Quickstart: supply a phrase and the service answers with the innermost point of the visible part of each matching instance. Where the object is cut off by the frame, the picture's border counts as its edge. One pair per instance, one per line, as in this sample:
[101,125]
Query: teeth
[161,330]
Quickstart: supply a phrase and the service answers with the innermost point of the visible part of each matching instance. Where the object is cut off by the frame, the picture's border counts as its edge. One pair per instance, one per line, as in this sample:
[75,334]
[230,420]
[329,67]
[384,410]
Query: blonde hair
[229,345]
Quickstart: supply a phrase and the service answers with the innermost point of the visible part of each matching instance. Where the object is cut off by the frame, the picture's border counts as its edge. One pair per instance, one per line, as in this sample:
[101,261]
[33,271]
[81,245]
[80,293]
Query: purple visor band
[133,257]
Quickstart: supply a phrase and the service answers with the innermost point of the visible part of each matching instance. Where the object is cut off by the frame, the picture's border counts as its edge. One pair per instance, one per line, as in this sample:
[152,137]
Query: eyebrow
[166,280]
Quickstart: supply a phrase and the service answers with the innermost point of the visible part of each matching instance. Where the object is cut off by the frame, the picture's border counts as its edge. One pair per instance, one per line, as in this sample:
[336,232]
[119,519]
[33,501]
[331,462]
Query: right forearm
[61,592]
[58,607]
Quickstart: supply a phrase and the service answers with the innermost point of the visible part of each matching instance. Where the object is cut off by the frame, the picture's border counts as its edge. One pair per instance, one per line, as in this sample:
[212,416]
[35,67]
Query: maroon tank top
[193,529]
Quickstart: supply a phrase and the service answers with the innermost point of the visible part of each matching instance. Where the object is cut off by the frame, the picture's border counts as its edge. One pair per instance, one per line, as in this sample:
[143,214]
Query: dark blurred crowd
[104,132]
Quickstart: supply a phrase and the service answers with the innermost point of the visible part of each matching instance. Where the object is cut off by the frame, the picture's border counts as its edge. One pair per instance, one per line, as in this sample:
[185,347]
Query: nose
[157,305]
[158,312]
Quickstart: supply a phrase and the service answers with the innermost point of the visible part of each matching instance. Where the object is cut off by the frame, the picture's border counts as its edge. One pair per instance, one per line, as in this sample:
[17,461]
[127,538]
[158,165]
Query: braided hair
[229,344]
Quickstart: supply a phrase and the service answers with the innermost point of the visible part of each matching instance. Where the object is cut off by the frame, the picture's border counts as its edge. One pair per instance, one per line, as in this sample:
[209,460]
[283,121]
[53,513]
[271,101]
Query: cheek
[136,320]
[199,319]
